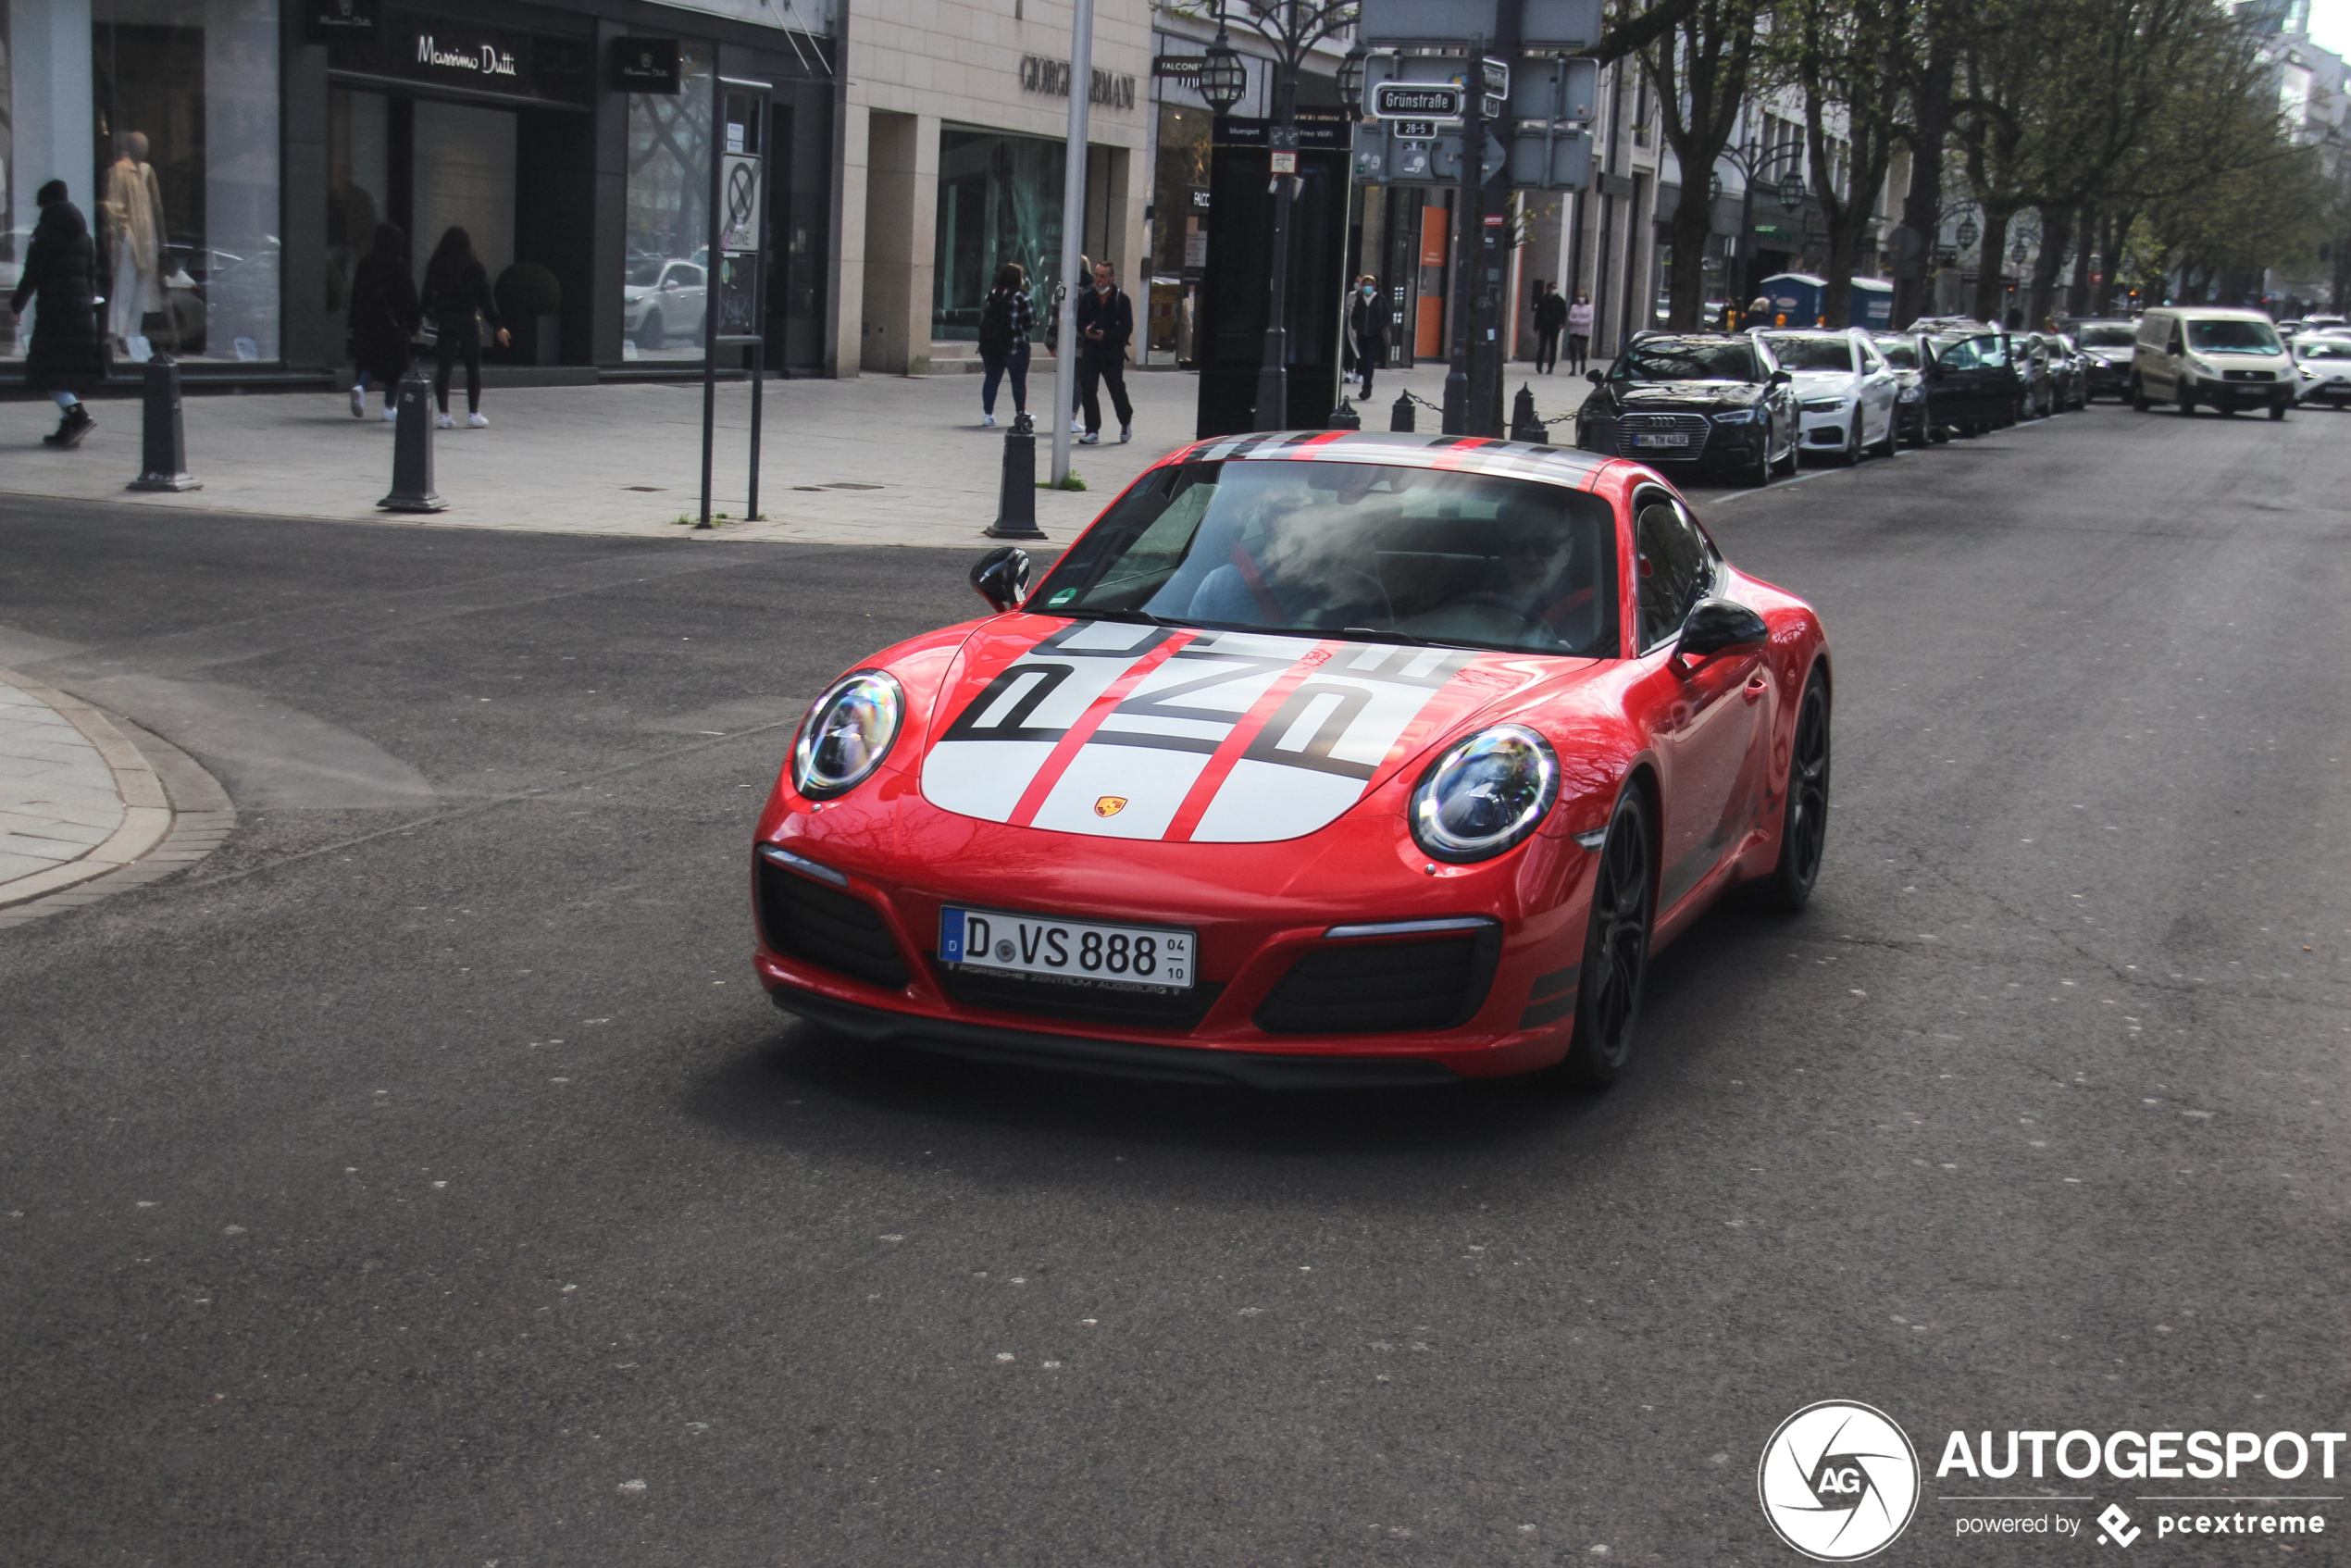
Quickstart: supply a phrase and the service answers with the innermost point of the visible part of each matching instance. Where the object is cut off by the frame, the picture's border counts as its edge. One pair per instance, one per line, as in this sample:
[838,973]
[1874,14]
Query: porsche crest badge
[1110,805]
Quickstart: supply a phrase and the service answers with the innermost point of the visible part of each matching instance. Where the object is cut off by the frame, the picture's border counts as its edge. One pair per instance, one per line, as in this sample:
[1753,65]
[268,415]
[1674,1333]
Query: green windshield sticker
[1063,597]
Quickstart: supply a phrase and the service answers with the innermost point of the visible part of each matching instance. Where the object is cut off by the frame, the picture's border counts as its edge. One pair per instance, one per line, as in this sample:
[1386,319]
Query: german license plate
[1660,438]
[1081,952]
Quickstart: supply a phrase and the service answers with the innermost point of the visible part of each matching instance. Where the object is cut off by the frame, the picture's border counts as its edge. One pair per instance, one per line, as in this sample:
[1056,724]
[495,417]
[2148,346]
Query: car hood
[1113,731]
[1681,396]
[1822,383]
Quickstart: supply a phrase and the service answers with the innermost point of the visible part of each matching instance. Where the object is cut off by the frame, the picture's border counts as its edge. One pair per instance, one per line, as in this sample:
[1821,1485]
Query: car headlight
[1485,795]
[1823,404]
[1912,394]
[846,734]
[2308,371]
[2201,369]
[1738,417]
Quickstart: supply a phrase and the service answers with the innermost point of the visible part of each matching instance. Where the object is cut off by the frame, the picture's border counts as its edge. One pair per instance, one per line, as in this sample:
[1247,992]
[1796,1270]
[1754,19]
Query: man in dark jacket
[1105,326]
[1550,316]
[1366,332]
[68,357]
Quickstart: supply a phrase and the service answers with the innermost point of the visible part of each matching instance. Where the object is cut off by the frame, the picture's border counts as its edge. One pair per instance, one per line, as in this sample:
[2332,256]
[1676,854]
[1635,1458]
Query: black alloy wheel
[1616,948]
[1759,473]
[2277,411]
[1792,458]
[2138,395]
[2187,400]
[1852,455]
[649,333]
[1804,825]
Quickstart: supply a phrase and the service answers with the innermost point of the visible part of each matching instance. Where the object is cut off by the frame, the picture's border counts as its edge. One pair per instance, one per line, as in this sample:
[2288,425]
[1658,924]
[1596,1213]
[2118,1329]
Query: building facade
[236,156]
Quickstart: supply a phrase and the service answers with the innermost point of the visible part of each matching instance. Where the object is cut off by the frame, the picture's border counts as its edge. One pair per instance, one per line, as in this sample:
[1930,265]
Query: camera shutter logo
[1839,1481]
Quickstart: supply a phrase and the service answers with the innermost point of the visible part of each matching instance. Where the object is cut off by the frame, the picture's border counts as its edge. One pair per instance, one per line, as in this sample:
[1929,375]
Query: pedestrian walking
[457,296]
[1366,332]
[69,354]
[1005,319]
[1579,332]
[1105,326]
[1759,311]
[383,320]
[1550,319]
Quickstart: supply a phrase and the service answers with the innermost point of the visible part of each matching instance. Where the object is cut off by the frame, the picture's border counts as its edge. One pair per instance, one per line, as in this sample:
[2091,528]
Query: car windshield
[1363,550]
[2325,348]
[2234,336]
[2107,337]
[1814,354]
[1686,359]
[645,271]
[1971,353]
[1901,353]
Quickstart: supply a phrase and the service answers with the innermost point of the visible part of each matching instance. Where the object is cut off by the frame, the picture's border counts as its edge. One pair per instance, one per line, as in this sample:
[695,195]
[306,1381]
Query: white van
[2200,355]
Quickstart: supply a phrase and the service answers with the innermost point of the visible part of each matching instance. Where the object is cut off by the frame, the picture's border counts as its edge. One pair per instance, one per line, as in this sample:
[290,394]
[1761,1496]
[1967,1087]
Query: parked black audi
[1680,401]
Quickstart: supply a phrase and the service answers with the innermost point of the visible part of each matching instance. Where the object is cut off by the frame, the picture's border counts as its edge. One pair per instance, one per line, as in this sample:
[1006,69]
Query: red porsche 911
[1318,759]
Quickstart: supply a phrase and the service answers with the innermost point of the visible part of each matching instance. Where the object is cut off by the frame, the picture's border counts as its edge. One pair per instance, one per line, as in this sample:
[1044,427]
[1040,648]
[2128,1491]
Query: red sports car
[1324,758]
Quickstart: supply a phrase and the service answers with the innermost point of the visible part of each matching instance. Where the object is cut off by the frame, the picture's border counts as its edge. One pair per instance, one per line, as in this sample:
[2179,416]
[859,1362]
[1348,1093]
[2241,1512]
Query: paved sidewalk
[77,799]
[877,460]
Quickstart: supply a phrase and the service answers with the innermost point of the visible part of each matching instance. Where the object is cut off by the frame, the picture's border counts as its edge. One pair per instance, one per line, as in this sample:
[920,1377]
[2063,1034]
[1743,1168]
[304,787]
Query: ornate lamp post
[1968,234]
[1223,79]
[1751,158]
[1292,27]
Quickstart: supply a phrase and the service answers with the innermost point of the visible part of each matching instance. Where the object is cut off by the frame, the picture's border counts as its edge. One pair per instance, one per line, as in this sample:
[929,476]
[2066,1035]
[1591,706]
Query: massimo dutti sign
[455,52]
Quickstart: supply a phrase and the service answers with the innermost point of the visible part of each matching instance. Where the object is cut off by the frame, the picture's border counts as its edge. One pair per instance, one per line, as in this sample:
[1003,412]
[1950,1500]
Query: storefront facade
[236,156]
[954,143]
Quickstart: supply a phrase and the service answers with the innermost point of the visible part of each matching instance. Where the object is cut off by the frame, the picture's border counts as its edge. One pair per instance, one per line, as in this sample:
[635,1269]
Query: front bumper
[2241,395]
[1273,988]
[1114,1058]
[1827,429]
[1725,446]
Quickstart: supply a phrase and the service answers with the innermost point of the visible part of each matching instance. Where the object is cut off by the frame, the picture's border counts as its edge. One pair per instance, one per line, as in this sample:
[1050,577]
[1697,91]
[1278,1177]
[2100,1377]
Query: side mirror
[1000,576]
[1716,626]
[1593,377]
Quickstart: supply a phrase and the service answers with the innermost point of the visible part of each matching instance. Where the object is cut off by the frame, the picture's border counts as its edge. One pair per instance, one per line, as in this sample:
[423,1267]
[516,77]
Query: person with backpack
[457,294]
[1006,321]
[68,356]
[383,320]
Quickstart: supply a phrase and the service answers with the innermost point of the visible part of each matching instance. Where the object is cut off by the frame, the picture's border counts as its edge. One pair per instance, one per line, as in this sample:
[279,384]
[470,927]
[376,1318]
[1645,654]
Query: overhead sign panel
[1557,24]
[1398,100]
[1380,23]
[1555,89]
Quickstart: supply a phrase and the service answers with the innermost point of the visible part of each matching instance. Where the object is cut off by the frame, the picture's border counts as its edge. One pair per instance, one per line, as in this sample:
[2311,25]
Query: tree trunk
[1922,204]
[1991,282]
[2077,293]
[1685,288]
[2057,235]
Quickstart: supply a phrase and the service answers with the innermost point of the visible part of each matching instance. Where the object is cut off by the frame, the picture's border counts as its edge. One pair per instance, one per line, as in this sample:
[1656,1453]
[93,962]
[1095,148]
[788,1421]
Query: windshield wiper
[1140,616]
[1410,639]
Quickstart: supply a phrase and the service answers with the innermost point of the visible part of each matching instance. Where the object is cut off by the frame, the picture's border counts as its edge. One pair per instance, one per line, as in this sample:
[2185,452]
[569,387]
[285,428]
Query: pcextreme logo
[1839,1481]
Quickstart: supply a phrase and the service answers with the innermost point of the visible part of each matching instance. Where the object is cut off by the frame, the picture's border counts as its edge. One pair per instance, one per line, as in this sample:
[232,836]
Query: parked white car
[1846,388]
[2322,364]
[663,300]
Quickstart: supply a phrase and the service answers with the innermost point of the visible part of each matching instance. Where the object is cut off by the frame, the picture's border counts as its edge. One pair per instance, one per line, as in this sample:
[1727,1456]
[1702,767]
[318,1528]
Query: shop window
[1000,200]
[161,116]
[668,215]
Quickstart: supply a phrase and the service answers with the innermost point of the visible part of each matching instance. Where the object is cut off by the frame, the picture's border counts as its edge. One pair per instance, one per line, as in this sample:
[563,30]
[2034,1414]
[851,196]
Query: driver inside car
[1313,563]
[1543,575]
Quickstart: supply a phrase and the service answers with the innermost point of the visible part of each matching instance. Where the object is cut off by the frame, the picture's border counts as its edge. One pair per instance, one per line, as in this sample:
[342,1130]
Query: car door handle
[1756,684]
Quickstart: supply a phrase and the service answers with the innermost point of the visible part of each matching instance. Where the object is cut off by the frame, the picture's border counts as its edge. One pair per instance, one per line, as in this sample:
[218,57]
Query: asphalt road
[424,1180]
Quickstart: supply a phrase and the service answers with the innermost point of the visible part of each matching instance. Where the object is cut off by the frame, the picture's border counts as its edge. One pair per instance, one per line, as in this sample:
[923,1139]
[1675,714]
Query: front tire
[1616,948]
[1759,473]
[2138,395]
[1852,455]
[2277,411]
[1804,821]
[2187,401]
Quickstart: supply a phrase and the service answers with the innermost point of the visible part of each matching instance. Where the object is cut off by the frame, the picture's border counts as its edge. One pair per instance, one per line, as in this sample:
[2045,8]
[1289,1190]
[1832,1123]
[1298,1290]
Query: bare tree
[1702,68]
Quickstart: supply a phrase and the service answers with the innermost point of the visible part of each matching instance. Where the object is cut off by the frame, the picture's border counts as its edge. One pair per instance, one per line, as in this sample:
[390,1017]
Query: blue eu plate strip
[951,935]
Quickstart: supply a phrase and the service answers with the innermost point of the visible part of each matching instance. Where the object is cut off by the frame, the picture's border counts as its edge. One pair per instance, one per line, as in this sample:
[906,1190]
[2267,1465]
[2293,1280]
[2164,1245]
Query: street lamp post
[1293,28]
[1751,158]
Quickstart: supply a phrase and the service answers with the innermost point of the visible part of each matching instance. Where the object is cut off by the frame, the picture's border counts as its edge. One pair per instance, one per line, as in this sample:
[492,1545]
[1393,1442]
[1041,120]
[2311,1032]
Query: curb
[174,815]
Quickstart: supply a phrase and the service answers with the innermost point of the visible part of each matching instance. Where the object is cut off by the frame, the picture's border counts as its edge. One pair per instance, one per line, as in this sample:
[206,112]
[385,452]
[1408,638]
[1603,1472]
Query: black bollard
[1523,423]
[412,450]
[1400,414]
[1344,418]
[1016,498]
[163,446]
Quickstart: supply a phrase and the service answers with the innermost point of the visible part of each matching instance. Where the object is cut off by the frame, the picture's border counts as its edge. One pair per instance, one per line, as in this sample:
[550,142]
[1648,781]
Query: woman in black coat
[68,357]
[1366,332]
[457,292]
[384,317]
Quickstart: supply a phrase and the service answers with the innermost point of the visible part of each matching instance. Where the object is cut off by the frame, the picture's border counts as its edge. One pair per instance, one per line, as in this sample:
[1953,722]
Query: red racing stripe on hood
[1220,766]
[1065,749]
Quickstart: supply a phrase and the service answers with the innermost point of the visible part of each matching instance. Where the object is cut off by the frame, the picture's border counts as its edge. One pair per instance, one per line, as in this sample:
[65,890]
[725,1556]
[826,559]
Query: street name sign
[1428,100]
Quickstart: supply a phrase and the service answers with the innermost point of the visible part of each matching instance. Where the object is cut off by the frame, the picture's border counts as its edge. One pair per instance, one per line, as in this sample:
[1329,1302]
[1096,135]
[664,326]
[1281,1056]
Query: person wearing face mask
[1105,326]
[1366,332]
[1579,331]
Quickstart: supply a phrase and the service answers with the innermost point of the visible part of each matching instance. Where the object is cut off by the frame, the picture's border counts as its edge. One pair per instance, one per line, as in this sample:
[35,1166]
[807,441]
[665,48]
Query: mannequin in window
[132,212]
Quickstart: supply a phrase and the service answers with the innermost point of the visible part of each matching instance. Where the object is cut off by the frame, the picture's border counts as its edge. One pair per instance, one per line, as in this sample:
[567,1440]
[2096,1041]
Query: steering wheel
[1489,604]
